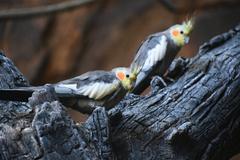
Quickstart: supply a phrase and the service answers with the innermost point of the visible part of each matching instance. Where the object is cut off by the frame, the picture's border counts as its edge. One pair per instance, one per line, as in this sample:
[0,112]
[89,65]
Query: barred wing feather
[94,90]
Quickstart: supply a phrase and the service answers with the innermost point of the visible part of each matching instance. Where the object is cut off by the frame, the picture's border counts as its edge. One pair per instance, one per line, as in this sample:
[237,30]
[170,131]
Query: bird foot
[177,67]
[169,80]
[157,83]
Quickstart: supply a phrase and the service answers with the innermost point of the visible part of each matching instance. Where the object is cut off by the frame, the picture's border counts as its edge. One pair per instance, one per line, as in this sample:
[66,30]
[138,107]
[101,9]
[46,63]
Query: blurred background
[52,40]
[100,34]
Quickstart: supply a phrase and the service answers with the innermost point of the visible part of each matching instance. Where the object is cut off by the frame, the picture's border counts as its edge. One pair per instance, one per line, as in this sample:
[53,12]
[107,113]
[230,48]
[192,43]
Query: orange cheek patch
[120,75]
[175,33]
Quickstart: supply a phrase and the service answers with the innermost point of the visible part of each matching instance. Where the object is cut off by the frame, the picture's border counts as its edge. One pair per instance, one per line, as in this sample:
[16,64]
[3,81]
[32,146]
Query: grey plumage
[83,93]
[89,77]
[158,51]
[88,86]
[161,63]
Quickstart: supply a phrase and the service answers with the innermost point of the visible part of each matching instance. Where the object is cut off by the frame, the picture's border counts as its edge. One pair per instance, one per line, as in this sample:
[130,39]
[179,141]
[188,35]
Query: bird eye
[181,32]
[127,75]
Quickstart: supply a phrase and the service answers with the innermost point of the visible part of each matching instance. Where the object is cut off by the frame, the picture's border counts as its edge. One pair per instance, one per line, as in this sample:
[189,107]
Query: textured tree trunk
[196,117]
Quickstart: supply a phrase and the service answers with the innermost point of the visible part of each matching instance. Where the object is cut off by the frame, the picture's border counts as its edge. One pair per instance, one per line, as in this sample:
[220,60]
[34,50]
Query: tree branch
[43,10]
[196,117]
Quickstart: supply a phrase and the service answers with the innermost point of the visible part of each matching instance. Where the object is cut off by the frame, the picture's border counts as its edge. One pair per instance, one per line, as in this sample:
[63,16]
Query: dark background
[103,34]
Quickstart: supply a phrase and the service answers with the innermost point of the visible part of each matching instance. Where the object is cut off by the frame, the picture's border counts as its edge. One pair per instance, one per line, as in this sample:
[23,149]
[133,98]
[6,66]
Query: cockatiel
[85,92]
[158,51]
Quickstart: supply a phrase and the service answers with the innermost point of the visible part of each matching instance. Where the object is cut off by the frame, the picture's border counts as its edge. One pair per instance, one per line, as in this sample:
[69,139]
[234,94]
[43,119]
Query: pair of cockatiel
[107,88]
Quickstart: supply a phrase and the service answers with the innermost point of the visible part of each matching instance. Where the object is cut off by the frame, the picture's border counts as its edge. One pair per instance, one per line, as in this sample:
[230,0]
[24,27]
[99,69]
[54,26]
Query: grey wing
[141,53]
[150,56]
[95,85]
[147,48]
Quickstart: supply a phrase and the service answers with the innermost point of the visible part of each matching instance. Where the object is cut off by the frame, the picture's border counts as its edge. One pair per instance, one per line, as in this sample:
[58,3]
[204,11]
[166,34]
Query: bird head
[126,77]
[179,33]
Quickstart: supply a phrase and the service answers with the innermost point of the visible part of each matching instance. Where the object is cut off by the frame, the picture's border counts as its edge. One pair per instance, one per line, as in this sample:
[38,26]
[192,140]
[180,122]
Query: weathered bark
[196,117]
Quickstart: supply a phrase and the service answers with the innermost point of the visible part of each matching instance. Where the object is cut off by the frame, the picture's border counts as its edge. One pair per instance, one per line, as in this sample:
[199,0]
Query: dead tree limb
[42,10]
[196,117]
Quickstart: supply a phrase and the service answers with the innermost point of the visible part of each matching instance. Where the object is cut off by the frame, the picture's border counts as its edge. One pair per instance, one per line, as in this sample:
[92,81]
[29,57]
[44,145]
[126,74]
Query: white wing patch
[98,90]
[70,86]
[156,54]
[65,88]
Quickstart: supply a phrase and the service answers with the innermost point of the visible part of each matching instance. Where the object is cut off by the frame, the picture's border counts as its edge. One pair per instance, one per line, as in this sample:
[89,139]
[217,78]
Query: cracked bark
[196,117]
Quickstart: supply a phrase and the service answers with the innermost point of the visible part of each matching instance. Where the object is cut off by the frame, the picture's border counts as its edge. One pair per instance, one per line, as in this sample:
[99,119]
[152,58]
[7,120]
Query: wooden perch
[196,117]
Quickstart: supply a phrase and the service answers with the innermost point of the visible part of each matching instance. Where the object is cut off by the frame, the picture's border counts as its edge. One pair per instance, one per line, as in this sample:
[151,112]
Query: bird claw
[157,83]
[177,67]
[169,80]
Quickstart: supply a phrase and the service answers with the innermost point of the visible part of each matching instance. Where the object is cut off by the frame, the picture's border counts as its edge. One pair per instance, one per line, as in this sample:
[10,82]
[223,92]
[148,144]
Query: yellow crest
[188,26]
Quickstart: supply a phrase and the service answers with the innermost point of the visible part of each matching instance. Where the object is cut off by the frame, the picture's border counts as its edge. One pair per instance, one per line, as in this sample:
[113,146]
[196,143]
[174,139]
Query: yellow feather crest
[188,26]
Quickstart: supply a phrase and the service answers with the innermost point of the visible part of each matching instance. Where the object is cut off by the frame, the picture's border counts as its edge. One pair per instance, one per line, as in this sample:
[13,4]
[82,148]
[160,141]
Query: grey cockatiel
[157,52]
[85,92]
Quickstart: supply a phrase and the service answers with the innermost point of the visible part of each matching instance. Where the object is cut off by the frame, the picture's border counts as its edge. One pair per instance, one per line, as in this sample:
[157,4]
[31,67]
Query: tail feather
[24,93]
[142,83]
[19,94]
